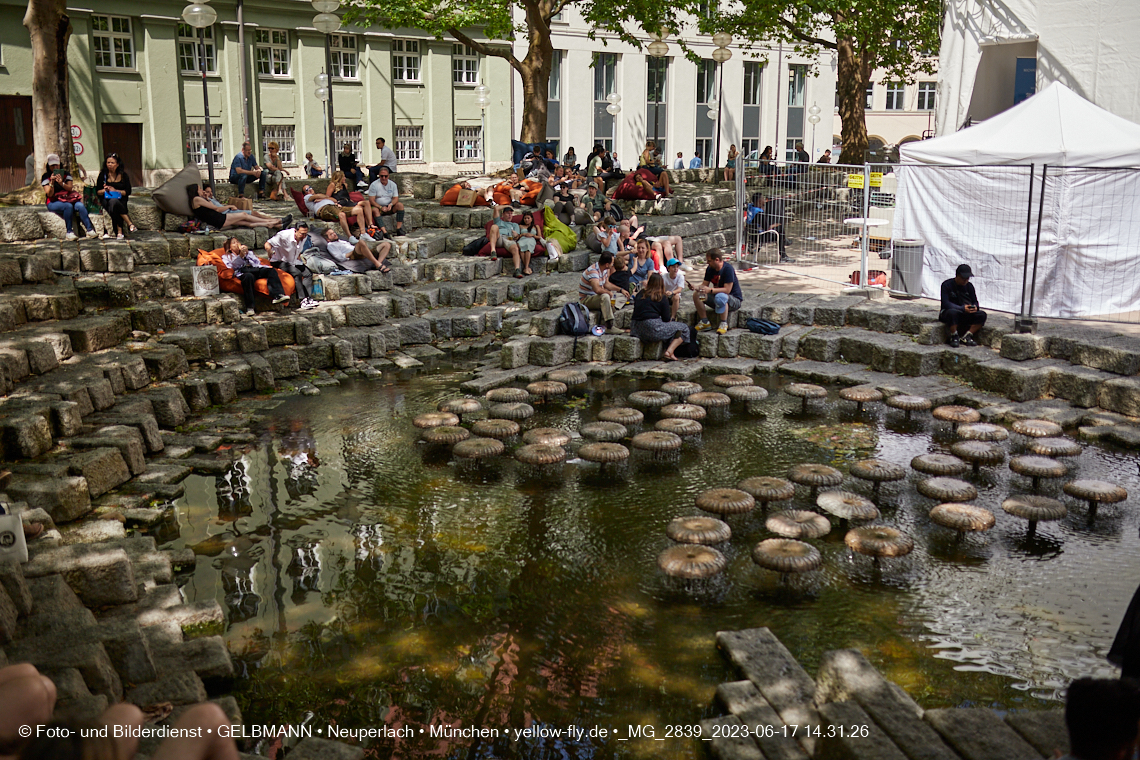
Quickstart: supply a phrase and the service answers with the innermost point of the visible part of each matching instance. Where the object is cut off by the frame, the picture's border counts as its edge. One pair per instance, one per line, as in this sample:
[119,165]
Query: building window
[752,73]
[750,147]
[870,104]
[707,8]
[657,110]
[350,135]
[896,94]
[926,95]
[797,80]
[406,60]
[705,147]
[189,50]
[464,65]
[342,54]
[605,81]
[196,148]
[409,143]
[285,135]
[113,43]
[272,52]
[468,144]
[554,98]
[706,81]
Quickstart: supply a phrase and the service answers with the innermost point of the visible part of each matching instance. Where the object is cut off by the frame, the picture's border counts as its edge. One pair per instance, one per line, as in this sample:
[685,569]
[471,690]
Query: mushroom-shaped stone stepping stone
[546,389]
[685,428]
[786,556]
[861,394]
[681,389]
[511,411]
[709,400]
[798,523]
[540,454]
[548,436]
[815,476]
[1037,467]
[478,448]
[572,378]
[1035,509]
[660,445]
[879,541]
[1054,447]
[731,381]
[603,431]
[445,435]
[623,415]
[847,506]
[1095,492]
[806,392]
[498,429]
[649,399]
[962,518]
[435,419]
[908,404]
[959,415]
[878,471]
[766,490]
[982,431]
[725,501]
[978,453]
[683,412]
[507,396]
[746,393]
[604,453]
[947,489]
[691,561]
[938,464]
[698,529]
[1037,428]
[461,406]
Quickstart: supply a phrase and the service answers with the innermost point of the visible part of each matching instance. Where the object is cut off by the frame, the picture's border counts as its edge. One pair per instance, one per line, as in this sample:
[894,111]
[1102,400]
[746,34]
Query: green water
[370,584]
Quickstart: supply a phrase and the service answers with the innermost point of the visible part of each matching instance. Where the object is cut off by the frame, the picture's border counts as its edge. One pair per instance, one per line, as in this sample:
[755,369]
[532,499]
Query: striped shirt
[593,272]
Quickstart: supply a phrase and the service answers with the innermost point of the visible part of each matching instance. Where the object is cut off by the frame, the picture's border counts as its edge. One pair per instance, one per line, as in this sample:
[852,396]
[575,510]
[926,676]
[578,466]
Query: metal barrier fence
[1042,240]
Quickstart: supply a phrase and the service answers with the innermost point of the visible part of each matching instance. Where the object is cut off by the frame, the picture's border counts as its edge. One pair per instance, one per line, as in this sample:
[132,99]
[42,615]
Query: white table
[868,222]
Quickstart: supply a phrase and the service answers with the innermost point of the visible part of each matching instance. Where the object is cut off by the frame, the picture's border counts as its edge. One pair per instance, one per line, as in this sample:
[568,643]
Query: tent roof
[1056,126]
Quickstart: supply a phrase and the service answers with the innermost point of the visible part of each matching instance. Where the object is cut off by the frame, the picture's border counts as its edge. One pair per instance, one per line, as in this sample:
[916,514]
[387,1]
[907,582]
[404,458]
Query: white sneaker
[309,303]
[367,238]
[249,312]
[353,240]
[362,183]
[105,235]
[71,236]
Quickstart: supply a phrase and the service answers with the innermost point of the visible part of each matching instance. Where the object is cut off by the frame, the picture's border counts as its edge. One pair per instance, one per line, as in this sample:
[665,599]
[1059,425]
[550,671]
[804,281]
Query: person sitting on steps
[720,291]
[248,269]
[63,199]
[114,188]
[595,291]
[243,170]
[339,191]
[284,250]
[356,257]
[207,213]
[385,198]
[312,168]
[674,280]
[275,170]
[326,209]
[208,194]
[652,322]
[505,233]
[960,308]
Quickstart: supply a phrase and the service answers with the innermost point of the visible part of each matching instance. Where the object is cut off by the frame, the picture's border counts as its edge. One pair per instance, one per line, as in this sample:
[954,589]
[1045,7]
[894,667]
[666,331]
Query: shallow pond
[370,584]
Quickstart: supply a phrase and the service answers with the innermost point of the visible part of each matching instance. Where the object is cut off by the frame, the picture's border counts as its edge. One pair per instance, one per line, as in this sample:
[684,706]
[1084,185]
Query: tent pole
[1028,227]
[1037,246]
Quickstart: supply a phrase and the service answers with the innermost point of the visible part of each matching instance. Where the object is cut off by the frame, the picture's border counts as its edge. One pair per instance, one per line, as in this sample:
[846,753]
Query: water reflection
[409,594]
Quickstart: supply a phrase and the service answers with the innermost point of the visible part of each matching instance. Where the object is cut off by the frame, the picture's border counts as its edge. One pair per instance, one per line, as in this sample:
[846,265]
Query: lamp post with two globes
[483,99]
[722,40]
[613,109]
[657,49]
[326,22]
[200,15]
[813,119]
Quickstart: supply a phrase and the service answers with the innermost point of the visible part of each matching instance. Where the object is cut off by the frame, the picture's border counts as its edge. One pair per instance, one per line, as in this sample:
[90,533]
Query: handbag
[68,196]
[466,198]
[91,200]
[13,545]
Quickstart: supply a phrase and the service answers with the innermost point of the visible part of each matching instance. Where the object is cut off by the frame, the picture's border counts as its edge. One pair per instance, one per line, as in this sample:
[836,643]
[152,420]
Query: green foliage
[492,17]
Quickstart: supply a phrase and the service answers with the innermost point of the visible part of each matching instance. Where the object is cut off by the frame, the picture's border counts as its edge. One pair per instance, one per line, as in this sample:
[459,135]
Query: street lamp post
[722,40]
[326,22]
[613,109]
[199,15]
[658,49]
[322,94]
[483,99]
[813,119]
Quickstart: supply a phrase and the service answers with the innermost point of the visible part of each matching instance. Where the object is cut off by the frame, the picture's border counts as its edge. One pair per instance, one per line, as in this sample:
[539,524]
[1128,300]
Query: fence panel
[802,230]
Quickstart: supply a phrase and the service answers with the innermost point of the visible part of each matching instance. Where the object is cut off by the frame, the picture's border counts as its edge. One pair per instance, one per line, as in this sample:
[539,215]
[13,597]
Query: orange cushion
[230,284]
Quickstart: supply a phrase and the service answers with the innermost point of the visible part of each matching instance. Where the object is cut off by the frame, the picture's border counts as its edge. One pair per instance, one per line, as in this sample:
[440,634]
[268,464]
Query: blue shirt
[726,276]
[241,162]
[695,163]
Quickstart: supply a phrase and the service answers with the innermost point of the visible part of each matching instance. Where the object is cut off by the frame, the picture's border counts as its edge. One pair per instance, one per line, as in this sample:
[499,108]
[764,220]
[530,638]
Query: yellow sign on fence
[876,179]
[855,180]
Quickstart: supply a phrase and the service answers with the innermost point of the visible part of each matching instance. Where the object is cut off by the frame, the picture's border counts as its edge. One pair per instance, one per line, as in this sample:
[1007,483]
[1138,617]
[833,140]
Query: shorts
[329,213]
[718,302]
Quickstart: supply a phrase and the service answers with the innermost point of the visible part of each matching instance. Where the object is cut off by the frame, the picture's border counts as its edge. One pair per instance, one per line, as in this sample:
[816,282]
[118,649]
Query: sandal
[385,269]
[134,228]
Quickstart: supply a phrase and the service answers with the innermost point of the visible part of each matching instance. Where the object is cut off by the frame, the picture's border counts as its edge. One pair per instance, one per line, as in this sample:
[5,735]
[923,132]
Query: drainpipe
[243,88]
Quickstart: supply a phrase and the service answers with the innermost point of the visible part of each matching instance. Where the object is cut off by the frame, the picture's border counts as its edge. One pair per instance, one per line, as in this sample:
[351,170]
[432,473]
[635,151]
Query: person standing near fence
[960,307]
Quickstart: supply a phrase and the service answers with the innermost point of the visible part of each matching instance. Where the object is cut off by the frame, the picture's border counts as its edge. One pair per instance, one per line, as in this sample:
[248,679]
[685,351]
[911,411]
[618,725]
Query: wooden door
[126,140]
[15,140]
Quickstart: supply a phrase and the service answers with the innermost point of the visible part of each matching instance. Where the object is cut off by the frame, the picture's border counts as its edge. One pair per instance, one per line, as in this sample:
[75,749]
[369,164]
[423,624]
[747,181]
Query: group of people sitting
[112,190]
[270,177]
[656,295]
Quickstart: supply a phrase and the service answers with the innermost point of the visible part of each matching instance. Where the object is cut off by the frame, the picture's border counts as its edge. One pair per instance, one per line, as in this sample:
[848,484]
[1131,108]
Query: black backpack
[574,320]
[690,349]
[474,246]
[762,326]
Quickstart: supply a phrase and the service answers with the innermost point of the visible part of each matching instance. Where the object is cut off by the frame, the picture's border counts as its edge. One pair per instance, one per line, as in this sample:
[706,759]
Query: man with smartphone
[960,307]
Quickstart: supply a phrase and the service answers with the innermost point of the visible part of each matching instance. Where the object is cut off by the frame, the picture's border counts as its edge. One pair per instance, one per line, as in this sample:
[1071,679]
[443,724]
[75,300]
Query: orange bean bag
[502,192]
[230,284]
[451,197]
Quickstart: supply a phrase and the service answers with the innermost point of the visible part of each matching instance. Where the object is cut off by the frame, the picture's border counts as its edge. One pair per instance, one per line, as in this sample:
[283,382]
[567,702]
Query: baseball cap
[963,270]
[671,262]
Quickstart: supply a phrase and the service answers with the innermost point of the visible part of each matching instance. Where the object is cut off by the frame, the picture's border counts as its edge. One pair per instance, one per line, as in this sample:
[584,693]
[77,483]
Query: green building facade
[136,90]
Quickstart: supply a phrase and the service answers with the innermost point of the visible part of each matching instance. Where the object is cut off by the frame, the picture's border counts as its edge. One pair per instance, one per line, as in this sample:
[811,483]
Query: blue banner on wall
[1025,79]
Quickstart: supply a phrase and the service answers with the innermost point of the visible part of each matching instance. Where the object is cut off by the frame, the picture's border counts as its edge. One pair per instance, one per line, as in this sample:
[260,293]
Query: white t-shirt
[673,284]
[384,195]
[315,207]
[339,249]
[285,246]
[388,157]
[679,163]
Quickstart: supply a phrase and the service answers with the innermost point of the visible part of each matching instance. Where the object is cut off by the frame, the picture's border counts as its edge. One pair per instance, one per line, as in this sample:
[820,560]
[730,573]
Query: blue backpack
[574,320]
[762,326]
